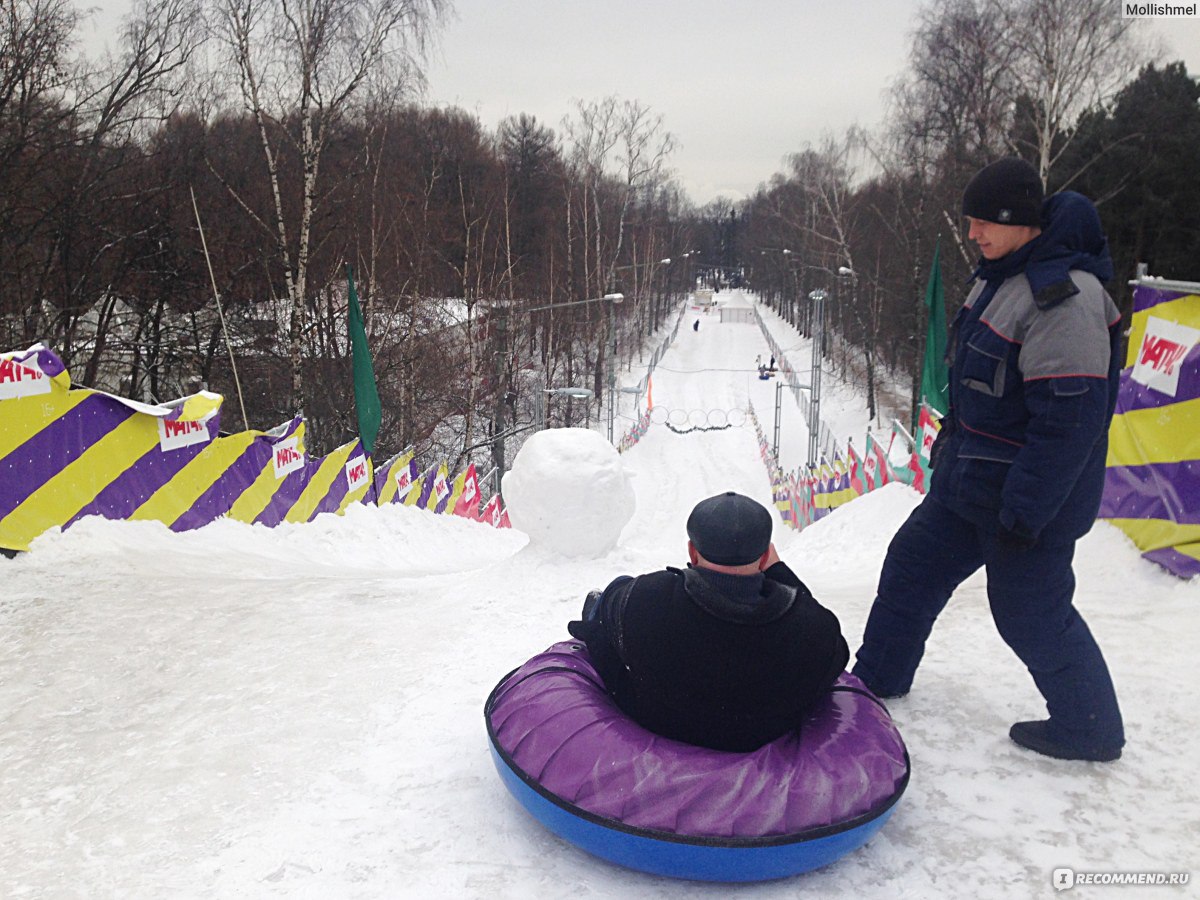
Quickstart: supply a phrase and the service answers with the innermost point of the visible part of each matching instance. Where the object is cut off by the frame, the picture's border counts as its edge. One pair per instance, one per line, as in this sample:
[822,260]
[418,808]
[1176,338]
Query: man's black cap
[1008,191]
[729,529]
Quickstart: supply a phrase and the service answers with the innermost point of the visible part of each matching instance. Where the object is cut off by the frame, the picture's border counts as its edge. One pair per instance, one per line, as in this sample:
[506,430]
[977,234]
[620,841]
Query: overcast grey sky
[740,84]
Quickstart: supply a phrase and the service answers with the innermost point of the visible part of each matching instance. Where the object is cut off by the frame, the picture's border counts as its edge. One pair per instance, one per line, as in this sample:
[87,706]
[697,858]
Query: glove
[1012,542]
[588,628]
[588,632]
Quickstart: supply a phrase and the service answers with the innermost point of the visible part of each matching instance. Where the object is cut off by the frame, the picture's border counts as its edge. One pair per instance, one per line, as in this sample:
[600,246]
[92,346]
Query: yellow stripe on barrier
[1163,435]
[1182,310]
[200,406]
[26,416]
[386,493]
[414,492]
[254,499]
[78,484]
[318,486]
[250,505]
[1155,534]
[180,494]
[389,490]
[432,500]
[841,497]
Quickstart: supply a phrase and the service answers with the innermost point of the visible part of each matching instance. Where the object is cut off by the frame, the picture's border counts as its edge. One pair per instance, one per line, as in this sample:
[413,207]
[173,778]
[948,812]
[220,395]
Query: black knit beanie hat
[1008,191]
[730,529]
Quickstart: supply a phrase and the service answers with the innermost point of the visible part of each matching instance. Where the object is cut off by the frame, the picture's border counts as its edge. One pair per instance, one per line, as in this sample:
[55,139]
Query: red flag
[491,512]
[927,430]
[467,503]
[878,469]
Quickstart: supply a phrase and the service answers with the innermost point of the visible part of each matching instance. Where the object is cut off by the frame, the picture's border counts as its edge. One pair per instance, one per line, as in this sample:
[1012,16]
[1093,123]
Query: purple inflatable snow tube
[559,732]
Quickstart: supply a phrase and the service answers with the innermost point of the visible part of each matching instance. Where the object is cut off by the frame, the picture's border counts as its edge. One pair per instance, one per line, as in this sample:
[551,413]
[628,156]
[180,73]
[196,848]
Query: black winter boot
[1042,737]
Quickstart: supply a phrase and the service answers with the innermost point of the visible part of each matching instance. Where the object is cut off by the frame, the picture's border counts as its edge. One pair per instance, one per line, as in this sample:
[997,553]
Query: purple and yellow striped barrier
[1152,484]
[394,478]
[431,490]
[69,453]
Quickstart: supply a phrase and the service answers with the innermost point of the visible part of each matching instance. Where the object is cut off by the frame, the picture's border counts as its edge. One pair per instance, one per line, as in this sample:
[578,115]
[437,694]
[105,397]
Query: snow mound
[569,491]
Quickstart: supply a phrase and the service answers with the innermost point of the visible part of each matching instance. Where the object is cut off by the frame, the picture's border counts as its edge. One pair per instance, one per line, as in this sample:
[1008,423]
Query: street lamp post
[781,298]
[571,393]
[842,307]
[613,300]
[643,277]
[814,392]
[502,323]
[664,285]
[815,312]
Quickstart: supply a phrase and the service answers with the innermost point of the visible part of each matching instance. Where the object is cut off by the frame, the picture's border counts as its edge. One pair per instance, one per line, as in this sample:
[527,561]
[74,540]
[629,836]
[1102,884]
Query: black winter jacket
[722,661]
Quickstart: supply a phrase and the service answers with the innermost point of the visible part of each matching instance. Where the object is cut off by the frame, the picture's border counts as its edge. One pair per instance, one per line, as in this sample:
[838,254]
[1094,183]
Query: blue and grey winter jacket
[1035,363]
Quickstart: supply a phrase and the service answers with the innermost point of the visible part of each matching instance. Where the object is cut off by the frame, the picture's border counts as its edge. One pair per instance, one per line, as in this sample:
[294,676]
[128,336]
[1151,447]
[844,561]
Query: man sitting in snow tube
[729,653]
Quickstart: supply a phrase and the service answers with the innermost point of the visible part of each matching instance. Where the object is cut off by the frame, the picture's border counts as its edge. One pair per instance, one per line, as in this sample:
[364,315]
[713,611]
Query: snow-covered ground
[297,712]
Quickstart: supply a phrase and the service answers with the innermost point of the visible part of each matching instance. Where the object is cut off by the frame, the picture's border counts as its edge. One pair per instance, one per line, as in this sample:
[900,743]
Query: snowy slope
[297,712]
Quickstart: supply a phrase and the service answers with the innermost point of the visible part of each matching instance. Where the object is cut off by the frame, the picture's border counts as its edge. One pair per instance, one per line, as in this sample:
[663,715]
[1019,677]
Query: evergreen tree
[1144,173]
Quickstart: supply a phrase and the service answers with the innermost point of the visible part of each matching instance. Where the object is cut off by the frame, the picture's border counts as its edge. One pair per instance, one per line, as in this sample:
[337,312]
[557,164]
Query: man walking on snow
[1019,463]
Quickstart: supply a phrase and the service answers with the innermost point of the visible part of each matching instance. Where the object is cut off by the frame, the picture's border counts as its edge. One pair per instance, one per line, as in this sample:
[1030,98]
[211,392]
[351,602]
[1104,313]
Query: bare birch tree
[64,123]
[619,152]
[1069,55]
[301,65]
[956,99]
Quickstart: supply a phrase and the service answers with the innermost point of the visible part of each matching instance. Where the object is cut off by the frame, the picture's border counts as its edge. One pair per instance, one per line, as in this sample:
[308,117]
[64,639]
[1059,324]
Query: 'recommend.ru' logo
[1063,879]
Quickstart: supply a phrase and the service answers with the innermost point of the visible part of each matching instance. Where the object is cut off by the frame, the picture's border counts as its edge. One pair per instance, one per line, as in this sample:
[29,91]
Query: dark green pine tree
[1137,160]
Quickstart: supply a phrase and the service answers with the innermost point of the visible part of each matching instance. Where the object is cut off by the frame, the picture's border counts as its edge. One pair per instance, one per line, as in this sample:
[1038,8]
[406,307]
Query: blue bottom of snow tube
[696,859]
[594,777]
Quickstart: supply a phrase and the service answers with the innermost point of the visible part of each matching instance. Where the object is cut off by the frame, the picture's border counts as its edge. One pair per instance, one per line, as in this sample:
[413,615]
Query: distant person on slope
[1019,462]
[729,653]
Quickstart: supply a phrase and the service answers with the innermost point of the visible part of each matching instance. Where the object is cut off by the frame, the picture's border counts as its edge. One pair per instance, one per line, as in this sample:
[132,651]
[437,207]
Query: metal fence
[826,440]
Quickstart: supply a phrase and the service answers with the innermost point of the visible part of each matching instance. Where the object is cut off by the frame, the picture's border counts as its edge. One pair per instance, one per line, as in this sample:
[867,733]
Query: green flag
[935,380]
[366,396]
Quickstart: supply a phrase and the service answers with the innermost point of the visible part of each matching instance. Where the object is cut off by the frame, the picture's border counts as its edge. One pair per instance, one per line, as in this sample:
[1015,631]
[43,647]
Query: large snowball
[569,491]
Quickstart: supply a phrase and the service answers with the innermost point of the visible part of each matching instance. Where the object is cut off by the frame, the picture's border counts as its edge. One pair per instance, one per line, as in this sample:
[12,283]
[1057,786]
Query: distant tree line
[1067,85]
[182,213]
[249,151]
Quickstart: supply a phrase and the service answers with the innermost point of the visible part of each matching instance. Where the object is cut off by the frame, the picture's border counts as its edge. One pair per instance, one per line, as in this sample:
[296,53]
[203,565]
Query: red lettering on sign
[12,371]
[286,455]
[1174,358]
[358,472]
[1162,354]
[175,429]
